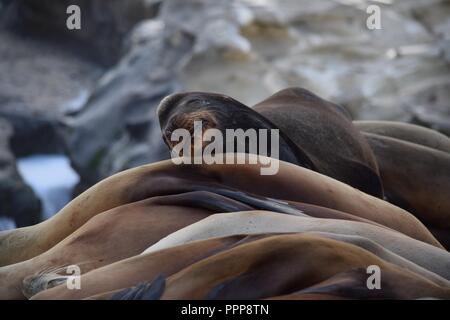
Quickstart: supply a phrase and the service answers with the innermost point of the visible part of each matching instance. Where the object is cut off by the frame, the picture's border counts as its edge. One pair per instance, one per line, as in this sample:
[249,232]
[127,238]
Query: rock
[103,23]
[17,200]
[117,127]
[327,48]
[437,117]
[40,83]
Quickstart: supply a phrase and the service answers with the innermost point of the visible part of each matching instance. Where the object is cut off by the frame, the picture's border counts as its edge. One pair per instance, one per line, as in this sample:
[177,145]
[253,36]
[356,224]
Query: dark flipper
[143,291]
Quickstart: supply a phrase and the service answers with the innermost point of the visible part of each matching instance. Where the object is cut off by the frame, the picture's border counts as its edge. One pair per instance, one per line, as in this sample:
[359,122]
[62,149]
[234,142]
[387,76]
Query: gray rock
[103,23]
[117,127]
[39,81]
[326,47]
[17,200]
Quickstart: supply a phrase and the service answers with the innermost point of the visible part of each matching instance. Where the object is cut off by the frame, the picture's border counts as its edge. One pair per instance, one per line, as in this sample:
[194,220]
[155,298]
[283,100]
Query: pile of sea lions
[348,195]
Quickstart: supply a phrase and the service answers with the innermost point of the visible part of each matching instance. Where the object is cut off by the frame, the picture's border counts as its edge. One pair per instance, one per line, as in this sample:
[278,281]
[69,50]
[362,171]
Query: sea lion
[255,222]
[385,254]
[108,237]
[143,268]
[352,285]
[415,177]
[314,133]
[92,245]
[165,178]
[325,132]
[406,132]
[279,265]
[218,111]
[131,271]
[100,240]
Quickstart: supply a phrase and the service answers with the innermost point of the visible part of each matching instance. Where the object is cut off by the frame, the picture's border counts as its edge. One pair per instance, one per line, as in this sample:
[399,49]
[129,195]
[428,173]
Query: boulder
[117,126]
[17,200]
[41,82]
[103,23]
[326,47]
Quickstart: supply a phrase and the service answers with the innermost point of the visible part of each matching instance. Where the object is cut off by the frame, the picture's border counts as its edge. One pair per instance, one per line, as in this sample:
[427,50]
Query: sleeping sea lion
[141,268]
[352,285]
[256,222]
[165,178]
[280,265]
[113,235]
[325,132]
[415,177]
[406,132]
[314,133]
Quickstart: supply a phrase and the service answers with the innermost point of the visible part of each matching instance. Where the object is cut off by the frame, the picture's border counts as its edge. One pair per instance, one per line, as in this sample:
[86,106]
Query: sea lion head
[218,111]
[181,110]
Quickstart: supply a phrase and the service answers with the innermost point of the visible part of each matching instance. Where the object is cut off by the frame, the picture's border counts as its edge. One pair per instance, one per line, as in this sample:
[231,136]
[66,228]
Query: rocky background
[91,93]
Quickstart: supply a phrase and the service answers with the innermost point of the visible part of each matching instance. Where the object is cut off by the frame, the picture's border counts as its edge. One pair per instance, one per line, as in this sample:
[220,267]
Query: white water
[52,179]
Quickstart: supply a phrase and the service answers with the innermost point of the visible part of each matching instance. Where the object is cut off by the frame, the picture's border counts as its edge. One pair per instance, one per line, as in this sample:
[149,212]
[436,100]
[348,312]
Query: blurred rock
[438,117]
[117,127]
[104,24]
[17,200]
[41,81]
[326,47]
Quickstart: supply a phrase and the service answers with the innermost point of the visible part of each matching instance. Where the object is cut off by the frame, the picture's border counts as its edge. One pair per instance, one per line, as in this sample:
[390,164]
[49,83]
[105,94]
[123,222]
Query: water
[52,179]
[6,223]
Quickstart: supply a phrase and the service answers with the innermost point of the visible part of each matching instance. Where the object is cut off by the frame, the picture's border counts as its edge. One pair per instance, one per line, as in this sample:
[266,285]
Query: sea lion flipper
[143,291]
[205,199]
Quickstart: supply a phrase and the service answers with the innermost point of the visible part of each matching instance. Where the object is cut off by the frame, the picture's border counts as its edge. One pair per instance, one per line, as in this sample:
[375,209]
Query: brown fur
[415,177]
[278,265]
[165,178]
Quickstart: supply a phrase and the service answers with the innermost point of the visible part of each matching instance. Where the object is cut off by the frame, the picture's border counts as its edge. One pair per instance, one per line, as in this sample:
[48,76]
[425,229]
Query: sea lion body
[326,133]
[164,178]
[257,222]
[141,268]
[110,236]
[146,267]
[415,177]
[350,285]
[406,132]
[278,265]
